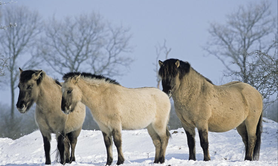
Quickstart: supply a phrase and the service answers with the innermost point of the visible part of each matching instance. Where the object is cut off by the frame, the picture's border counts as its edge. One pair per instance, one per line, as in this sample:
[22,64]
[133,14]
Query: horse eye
[69,91]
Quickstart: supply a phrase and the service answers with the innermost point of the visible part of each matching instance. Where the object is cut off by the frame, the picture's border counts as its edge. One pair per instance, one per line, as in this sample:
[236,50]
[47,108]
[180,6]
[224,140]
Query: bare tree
[160,50]
[85,42]
[247,30]
[3,64]
[16,42]
[264,74]
[3,60]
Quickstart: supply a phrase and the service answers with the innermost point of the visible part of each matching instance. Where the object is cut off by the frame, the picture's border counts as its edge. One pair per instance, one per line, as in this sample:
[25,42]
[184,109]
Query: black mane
[58,83]
[89,75]
[169,68]
[27,75]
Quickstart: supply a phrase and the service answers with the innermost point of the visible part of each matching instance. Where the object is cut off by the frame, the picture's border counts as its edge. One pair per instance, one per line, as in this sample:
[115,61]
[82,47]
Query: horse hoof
[63,162]
[68,161]
[120,162]
[47,163]
[161,160]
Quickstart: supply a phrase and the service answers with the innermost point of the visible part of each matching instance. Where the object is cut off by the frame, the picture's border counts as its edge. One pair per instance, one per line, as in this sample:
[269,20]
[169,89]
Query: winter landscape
[225,149]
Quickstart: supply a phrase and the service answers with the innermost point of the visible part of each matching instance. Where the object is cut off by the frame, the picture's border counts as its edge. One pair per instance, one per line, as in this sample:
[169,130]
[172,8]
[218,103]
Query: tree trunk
[12,97]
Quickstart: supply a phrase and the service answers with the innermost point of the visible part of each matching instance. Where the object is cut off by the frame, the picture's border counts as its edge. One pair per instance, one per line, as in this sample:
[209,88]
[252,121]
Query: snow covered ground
[225,149]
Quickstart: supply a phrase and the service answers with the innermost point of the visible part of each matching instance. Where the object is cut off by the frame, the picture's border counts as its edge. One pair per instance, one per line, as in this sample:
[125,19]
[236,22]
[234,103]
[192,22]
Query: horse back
[232,103]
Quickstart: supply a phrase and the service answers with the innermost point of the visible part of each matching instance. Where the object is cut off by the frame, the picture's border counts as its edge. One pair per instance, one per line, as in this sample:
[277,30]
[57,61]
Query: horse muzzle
[22,109]
[66,110]
[168,92]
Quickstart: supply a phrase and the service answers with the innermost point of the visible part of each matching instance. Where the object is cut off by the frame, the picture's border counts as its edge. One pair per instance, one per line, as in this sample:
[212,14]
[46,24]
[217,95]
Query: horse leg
[46,144]
[241,129]
[162,134]
[164,138]
[61,147]
[73,141]
[108,144]
[117,137]
[190,133]
[67,149]
[156,142]
[251,128]
[203,134]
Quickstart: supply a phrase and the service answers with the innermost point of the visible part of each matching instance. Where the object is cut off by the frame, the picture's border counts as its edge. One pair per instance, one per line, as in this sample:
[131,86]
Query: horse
[115,107]
[37,87]
[201,104]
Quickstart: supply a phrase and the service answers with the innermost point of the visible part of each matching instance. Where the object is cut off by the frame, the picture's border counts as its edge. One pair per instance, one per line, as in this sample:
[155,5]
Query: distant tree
[247,46]
[21,125]
[17,42]
[3,60]
[3,63]
[160,49]
[87,43]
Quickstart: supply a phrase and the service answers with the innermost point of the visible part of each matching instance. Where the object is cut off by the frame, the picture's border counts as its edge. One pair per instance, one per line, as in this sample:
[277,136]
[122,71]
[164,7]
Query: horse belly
[225,122]
[138,120]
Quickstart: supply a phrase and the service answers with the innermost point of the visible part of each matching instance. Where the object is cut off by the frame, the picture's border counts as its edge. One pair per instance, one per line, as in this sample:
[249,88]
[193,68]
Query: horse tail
[256,154]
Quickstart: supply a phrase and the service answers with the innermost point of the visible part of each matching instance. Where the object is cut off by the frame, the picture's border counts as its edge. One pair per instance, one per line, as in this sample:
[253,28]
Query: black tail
[256,154]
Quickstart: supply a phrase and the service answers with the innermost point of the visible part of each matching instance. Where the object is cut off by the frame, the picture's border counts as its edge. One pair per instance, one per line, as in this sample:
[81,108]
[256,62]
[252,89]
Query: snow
[226,149]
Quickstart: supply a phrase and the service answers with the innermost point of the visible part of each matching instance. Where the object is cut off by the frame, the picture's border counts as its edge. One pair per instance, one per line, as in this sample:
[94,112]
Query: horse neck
[91,93]
[49,92]
[191,86]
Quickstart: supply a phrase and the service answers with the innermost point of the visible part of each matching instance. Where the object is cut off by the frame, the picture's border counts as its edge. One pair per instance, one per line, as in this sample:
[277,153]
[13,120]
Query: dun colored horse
[115,107]
[208,107]
[36,87]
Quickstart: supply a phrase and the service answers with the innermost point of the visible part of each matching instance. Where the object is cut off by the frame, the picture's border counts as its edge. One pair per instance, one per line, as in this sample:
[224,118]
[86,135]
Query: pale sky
[182,23]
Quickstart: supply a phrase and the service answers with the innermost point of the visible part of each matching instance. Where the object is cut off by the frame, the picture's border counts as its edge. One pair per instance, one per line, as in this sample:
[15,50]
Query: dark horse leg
[108,144]
[252,135]
[46,144]
[203,134]
[67,149]
[241,129]
[61,147]
[117,137]
[190,133]
[73,141]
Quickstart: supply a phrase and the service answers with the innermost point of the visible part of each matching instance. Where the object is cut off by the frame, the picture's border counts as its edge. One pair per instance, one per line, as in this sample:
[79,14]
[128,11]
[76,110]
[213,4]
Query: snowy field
[225,149]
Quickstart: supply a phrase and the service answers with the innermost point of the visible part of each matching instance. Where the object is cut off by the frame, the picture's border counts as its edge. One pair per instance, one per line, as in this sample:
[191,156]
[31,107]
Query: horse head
[28,88]
[171,72]
[70,94]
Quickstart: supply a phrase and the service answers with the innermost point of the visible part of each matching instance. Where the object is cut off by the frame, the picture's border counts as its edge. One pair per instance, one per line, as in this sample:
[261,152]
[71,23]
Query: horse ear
[177,63]
[37,75]
[160,63]
[76,79]
[20,70]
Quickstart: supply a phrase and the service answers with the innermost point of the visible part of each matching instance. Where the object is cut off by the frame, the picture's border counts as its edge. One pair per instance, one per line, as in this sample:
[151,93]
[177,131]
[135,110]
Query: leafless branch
[85,42]
[245,46]
[160,50]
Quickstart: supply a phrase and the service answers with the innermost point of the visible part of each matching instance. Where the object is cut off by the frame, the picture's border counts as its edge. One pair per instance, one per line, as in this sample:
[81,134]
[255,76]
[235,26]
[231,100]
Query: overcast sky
[182,23]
